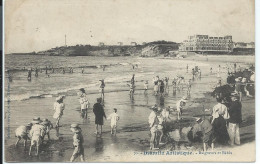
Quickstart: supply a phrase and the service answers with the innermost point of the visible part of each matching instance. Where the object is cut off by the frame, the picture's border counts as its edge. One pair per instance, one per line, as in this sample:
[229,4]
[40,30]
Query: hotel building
[205,43]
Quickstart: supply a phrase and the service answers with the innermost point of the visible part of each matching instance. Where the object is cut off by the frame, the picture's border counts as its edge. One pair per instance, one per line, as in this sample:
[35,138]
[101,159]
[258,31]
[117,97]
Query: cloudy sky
[35,25]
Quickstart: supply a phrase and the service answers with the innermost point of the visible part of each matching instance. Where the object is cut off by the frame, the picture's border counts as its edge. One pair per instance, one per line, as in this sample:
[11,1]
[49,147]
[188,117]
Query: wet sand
[133,129]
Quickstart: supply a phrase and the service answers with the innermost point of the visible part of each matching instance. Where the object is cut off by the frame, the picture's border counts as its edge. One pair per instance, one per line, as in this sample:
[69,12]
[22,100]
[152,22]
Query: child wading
[84,103]
[77,143]
[114,119]
[59,108]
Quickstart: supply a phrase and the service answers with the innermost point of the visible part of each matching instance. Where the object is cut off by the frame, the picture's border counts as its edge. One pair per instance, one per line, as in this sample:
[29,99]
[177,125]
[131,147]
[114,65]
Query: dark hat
[82,90]
[36,120]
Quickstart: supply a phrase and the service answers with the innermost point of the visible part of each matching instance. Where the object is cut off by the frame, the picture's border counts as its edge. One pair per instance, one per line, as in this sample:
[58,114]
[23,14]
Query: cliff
[157,48]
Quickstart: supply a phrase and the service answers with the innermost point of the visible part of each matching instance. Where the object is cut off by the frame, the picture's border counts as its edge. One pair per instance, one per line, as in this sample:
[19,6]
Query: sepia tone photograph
[129,81]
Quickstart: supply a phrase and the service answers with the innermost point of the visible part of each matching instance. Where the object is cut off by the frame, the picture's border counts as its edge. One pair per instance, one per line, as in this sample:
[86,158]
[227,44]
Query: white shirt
[114,118]
[178,105]
[165,114]
[220,109]
[21,131]
[58,109]
[37,129]
[83,102]
[151,118]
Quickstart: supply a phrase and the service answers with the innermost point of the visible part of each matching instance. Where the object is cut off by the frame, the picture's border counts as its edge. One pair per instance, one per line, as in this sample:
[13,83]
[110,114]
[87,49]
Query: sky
[36,25]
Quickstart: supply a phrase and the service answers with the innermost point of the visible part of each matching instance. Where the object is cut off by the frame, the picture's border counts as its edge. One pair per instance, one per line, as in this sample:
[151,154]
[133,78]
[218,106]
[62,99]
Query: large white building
[205,43]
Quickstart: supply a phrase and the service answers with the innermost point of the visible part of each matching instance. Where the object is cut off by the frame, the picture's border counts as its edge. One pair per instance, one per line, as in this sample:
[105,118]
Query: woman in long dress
[59,107]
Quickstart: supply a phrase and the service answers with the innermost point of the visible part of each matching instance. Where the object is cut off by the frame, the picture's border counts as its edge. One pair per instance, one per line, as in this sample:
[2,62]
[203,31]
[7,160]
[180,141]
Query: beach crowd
[165,122]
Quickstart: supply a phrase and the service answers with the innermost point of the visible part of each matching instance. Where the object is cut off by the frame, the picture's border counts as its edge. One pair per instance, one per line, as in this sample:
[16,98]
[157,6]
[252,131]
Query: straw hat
[75,128]
[240,78]
[184,99]
[29,125]
[74,125]
[236,79]
[244,80]
[36,120]
[60,97]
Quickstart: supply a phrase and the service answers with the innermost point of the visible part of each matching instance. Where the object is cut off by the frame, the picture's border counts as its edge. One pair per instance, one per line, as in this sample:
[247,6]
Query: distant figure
[78,141]
[187,68]
[46,70]
[161,87]
[193,73]
[59,107]
[52,69]
[63,70]
[104,68]
[114,117]
[36,72]
[72,70]
[131,90]
[166,83]
[133,66]
[102,89]
[199,71]
[235,67]
[9,76]
[133,79]
[29,77]
[99,114]
[146,86]
[189,87]
[82,70]
[211,70]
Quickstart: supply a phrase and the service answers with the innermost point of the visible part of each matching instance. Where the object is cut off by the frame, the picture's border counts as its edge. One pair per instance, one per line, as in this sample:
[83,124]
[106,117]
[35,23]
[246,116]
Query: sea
[118,71]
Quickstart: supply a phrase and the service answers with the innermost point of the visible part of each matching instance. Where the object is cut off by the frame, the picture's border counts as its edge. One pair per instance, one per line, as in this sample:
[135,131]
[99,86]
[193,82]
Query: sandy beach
[133,129]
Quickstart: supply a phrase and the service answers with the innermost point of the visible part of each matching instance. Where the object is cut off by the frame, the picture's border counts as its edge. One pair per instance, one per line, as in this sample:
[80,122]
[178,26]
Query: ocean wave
[108,80]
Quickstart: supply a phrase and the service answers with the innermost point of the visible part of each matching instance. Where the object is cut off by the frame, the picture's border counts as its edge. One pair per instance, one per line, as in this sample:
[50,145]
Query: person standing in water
[82,70]
[145,86]
[84,103]
[114,117]
[99,114]
[63,70]
[133,79]
[36,72]
[102,89]
[59,107]
[187,68]
[29,77]
[46,70]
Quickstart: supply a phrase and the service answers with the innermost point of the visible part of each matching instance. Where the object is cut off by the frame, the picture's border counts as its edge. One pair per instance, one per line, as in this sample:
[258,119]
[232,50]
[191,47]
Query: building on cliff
[205,43]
